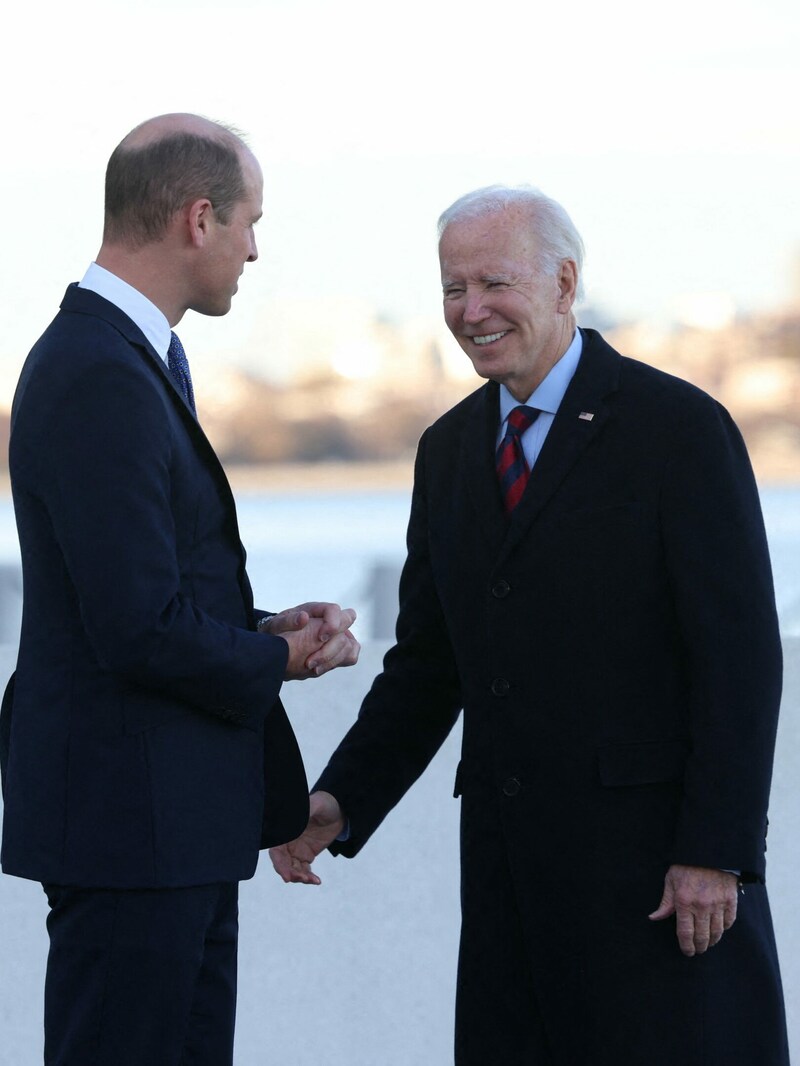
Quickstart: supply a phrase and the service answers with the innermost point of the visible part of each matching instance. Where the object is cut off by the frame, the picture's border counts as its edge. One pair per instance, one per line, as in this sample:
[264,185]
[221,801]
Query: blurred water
[360,972]
[322,547]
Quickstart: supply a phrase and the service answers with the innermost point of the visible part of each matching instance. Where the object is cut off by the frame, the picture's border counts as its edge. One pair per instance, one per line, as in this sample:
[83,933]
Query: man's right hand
[293,861]
[319,638]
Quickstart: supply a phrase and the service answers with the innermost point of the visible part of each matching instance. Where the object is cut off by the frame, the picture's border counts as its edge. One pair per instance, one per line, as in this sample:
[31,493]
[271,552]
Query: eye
[452,292]
[497,285]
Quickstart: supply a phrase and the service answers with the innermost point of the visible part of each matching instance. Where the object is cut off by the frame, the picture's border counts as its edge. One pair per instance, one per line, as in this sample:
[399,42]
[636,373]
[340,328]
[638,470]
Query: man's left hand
[334,644]
[704,903]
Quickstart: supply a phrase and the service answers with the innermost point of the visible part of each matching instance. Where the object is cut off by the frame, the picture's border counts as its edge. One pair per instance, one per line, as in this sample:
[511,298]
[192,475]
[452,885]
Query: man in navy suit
[588,578]
[146,757]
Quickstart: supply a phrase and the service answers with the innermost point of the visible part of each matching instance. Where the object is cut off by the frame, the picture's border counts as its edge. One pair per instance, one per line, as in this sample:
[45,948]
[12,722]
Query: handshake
[319,638]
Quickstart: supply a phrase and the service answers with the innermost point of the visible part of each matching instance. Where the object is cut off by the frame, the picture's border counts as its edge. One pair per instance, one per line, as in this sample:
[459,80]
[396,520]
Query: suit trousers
[141,976]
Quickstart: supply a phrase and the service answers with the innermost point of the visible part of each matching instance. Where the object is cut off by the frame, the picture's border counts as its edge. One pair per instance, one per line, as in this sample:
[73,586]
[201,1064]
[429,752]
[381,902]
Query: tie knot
[520,418]
[175,352]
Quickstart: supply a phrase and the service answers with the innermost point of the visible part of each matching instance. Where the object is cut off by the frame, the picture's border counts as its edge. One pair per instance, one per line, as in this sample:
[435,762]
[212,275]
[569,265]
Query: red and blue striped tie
[512,468]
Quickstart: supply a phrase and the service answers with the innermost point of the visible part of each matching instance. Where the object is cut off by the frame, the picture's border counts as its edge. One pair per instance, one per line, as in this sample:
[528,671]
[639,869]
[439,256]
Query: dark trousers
[141,976]
[498,1017]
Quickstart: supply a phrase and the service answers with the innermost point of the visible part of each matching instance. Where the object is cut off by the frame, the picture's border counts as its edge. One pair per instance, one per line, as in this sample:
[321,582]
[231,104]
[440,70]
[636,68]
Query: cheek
[452,316]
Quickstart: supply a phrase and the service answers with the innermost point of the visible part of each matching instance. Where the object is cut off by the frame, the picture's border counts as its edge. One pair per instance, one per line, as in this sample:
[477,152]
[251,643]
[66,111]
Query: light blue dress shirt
[546,398]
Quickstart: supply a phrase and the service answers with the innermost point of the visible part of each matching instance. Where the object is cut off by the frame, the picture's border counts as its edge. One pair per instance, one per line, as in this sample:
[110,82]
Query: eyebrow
[485,279]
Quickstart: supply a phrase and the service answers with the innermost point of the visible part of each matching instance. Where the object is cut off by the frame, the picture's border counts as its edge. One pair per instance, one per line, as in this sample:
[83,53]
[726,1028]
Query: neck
[149,272]
[522,389]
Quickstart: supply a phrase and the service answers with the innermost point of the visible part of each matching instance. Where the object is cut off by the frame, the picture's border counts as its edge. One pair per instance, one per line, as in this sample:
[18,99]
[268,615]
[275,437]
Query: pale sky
[669,133]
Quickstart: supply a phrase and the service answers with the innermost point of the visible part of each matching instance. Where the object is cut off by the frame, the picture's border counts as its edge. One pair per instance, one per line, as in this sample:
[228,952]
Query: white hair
[557,238]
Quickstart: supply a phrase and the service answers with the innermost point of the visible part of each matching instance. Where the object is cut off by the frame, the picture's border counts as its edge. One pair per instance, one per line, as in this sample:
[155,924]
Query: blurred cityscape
[369,399]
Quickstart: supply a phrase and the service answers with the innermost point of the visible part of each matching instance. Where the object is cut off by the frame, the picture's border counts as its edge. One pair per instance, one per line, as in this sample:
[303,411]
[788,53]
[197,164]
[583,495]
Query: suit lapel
[570,434]
[84,301]
[87,302]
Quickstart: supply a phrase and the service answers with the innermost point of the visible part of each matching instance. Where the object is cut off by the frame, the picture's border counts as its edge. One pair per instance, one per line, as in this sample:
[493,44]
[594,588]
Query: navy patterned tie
[512,467]
[179,368]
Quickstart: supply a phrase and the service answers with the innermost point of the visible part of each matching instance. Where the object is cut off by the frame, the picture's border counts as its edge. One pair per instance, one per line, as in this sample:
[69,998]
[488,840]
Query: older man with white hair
[588,579]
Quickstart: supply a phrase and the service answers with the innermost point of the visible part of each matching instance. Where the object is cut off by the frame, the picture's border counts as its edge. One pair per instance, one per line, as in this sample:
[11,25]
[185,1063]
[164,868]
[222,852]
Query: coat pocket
[647,762]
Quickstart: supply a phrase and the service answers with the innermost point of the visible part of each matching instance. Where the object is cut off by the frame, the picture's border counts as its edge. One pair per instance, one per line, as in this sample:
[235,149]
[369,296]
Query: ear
[567,285]
[200,215]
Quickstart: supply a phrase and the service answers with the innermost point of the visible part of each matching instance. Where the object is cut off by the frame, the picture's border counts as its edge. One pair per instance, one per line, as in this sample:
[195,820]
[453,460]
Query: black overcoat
[616,653]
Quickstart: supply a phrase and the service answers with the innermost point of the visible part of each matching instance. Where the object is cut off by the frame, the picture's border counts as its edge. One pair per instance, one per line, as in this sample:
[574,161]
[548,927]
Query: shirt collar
[547,396]
[138,308]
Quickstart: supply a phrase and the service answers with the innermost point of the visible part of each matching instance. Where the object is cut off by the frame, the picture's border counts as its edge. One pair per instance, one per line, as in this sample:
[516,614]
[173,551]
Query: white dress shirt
[138,308]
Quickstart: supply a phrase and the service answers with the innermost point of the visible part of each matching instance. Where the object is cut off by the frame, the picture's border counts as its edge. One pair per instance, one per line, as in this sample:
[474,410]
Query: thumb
[290,621]
[666,907]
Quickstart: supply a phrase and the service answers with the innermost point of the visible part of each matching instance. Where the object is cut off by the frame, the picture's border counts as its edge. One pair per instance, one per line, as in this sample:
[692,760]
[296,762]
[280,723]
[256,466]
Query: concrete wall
[360,971]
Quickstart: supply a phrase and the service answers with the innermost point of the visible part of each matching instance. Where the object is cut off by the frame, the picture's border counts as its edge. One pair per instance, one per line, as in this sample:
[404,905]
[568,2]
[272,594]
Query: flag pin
[587,416]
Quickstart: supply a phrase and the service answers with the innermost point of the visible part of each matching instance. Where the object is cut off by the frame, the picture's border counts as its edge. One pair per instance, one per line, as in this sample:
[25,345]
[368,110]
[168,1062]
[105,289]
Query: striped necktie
[179,368]
[512,468]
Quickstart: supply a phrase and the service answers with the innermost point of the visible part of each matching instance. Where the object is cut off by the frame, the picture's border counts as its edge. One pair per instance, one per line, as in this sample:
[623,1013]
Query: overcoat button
[500,686]
[501,589]
[511,787]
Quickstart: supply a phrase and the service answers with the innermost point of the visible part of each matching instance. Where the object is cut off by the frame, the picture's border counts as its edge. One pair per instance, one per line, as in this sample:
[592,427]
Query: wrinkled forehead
[496,243]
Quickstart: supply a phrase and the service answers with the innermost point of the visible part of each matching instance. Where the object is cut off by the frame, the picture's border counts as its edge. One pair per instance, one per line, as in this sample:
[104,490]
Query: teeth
[489,337]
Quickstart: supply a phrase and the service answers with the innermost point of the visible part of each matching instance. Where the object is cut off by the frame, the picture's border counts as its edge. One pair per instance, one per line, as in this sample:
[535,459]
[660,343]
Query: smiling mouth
[488,338]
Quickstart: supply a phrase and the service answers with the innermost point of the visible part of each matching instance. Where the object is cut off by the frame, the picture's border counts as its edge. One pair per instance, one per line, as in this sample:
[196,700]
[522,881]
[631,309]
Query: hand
[319,638]
[293,861]
[704,902]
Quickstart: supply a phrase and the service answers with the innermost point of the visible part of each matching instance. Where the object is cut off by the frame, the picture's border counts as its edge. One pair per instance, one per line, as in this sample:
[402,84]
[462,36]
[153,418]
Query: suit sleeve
[412,705]
[721,582]
[109,494]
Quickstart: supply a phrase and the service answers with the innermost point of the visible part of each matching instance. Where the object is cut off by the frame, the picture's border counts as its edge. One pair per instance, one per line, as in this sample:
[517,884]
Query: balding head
[162,165]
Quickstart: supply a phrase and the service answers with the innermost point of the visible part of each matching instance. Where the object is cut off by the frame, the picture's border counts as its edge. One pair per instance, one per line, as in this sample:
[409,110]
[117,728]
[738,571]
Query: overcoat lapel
[477,462]
[596,377]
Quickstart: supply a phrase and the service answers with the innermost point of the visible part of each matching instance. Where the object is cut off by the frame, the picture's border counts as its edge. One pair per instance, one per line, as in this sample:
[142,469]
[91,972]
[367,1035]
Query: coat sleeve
[412,705]
[721,582]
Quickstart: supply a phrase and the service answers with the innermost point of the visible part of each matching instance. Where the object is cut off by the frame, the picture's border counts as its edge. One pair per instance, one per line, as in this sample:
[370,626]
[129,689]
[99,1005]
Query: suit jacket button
[511,787]
[500,686]
[501,589]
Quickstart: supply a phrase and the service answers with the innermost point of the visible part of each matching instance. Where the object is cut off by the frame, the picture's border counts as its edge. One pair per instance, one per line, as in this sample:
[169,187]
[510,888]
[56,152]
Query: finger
[336,620]
[702,933]
[280,863]
[685,928]
[730,913]
[302,873]
[666,908]
[345,650]
[716,928]
[292,869]
[289,621]
[341,650]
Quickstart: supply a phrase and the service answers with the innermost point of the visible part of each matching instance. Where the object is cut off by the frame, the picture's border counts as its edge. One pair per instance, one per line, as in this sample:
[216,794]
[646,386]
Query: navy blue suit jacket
[142,740]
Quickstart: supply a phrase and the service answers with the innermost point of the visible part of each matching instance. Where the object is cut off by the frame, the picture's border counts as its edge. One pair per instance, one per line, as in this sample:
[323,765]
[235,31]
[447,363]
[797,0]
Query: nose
[253,249]
[474,308]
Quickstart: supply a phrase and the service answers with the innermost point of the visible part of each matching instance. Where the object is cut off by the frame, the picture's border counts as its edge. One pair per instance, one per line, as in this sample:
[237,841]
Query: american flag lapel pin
[587,416]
